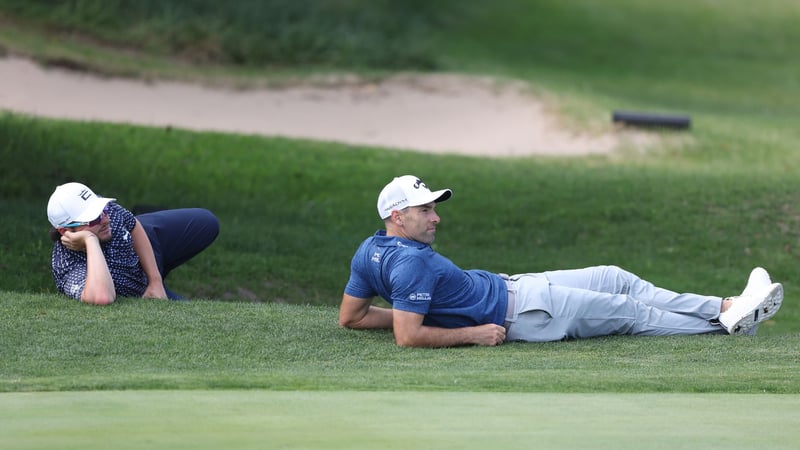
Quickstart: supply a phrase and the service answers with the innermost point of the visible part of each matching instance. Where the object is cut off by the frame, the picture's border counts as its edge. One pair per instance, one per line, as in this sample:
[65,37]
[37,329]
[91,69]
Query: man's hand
[155,290]
[489,334]
[76,240]
[99,287]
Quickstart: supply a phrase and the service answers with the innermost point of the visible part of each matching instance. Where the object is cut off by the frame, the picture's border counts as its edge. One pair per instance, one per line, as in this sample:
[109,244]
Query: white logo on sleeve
[420,296]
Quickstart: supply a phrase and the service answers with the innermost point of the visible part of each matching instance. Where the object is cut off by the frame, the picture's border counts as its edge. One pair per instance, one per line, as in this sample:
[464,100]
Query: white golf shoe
[759,304]
[758,279]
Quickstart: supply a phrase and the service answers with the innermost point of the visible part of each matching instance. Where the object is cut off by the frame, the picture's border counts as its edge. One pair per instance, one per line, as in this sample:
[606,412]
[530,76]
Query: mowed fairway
[419,420]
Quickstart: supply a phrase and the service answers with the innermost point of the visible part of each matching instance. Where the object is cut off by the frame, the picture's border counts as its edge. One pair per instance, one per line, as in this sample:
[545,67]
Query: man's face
[419,222]
[102,230]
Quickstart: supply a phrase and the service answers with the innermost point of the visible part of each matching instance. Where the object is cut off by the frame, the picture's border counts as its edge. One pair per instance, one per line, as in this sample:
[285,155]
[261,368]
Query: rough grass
[54,344]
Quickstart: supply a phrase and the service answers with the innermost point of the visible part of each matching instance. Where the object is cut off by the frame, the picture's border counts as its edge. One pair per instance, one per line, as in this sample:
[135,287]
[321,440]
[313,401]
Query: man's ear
[397,217]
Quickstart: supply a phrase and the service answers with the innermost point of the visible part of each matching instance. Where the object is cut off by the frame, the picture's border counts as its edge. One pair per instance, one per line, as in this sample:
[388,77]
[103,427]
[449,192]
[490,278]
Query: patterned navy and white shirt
[69,266]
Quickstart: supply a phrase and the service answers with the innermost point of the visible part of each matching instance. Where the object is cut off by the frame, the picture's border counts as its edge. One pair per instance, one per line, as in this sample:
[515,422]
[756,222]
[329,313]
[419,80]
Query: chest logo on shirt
[420,296]
[376,257]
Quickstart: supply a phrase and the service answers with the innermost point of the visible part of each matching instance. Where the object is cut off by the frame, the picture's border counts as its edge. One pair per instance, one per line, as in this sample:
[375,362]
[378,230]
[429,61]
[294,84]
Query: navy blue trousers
[177,235]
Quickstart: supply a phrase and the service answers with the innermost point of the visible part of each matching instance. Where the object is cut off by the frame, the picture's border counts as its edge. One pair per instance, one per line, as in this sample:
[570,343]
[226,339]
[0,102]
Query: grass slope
[293,212]
[695,214]
[51,344]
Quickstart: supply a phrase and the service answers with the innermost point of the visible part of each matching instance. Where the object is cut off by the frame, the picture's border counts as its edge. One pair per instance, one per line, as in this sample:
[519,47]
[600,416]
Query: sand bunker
[434,113]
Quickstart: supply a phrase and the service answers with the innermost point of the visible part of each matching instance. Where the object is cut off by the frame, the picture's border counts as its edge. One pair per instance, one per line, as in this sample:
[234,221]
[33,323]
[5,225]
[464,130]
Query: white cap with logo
[406,191]
[74,202]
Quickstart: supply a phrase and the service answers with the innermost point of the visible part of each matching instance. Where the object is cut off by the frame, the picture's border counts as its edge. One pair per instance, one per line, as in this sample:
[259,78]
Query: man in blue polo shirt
[434,303]
[102,251]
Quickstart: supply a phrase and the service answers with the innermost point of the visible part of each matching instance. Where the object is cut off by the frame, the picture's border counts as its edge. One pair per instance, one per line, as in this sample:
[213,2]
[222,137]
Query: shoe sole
[773,303]
[765,310]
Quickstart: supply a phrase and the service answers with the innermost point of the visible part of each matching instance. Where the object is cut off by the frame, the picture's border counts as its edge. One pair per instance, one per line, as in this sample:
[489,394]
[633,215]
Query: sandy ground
[435,113]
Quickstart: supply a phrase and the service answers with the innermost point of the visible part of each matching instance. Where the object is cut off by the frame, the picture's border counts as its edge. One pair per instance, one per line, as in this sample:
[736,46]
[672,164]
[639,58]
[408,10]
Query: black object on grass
[651,120]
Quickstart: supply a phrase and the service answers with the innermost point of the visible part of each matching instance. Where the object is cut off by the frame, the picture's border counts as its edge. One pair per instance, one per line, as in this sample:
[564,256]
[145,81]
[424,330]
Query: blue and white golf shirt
[69,266]
[412,277]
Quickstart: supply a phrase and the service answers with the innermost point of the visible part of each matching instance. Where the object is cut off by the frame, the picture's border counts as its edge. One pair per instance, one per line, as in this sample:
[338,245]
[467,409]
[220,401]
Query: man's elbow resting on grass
[360,314]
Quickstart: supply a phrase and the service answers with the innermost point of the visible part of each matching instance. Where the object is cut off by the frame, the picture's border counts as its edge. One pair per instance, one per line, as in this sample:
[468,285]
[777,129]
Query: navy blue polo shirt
[412,277]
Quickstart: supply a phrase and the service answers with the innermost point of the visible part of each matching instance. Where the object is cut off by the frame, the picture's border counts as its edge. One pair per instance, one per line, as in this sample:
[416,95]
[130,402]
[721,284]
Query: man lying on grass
[437,304]
[101,250]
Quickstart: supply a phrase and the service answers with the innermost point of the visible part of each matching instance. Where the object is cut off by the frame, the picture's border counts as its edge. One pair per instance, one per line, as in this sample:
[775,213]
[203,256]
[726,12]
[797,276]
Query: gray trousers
[601,301]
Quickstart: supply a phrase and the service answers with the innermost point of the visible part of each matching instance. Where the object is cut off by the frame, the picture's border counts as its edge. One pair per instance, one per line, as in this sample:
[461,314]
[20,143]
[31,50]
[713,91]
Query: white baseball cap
[406,191]
[74,202]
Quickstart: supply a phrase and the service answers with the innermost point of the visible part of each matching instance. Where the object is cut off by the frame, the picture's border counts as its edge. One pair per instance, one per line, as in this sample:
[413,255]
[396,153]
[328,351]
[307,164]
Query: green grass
[52,344]
[258,356]
[292,212]
[249,35]
[246,419]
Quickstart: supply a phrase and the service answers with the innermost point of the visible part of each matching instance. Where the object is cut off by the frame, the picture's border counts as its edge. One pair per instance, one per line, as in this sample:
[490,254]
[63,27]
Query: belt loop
[512,302]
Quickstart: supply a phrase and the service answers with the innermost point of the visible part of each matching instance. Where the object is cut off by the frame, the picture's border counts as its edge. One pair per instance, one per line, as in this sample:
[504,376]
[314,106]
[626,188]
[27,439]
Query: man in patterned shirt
[102,251]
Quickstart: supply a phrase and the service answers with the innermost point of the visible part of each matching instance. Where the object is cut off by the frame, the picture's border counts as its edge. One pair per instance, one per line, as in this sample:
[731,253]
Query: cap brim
[94,210]
[435,197]
[444,195]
